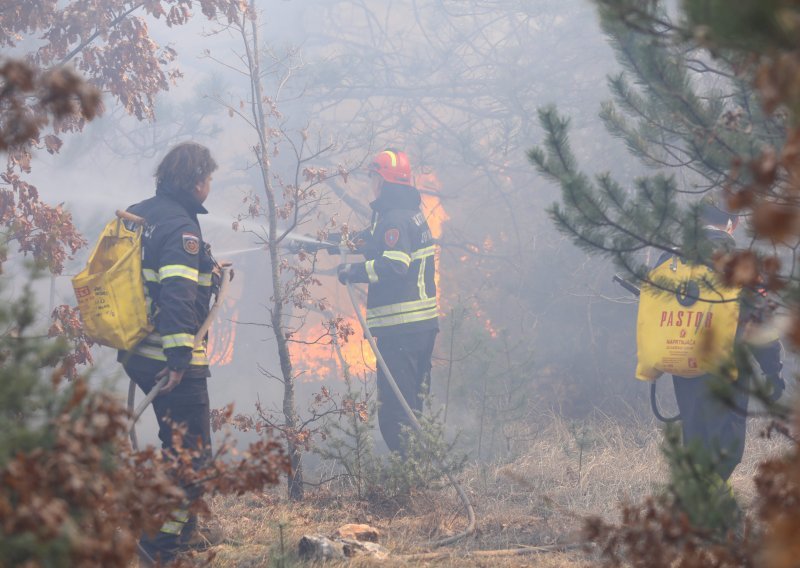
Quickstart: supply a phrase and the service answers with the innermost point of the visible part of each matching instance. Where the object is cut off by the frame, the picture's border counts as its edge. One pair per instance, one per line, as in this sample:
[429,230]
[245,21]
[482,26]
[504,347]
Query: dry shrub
[778,507]
[658,533]
[664,531]
[80,498]
[72,491]
[83,497]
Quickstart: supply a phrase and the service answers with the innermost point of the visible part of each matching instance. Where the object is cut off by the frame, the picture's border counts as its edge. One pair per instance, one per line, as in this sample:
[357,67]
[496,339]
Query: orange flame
[221,341]
[316,357]
[222,335]
[431,204]
[436,216]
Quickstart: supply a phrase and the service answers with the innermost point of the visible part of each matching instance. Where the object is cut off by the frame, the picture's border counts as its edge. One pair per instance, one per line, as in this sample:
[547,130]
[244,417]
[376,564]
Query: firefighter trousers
[187,405]
[715,427]
[408,357]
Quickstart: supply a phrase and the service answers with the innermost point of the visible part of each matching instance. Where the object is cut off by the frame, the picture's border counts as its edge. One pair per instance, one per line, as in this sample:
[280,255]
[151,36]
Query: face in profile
[202,190]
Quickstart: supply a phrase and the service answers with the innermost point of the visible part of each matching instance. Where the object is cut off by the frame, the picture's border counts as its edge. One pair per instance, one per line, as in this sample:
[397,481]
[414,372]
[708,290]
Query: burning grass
[539,497]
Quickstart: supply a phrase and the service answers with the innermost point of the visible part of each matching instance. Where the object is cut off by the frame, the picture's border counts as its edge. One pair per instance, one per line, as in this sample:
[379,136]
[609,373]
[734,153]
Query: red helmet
[393,166]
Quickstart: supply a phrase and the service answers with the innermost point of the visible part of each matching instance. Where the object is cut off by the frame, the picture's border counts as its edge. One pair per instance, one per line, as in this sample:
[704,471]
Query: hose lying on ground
[198,339]
[462,495]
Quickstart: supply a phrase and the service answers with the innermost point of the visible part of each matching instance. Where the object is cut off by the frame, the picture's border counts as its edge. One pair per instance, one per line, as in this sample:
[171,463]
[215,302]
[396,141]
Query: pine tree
[709,100]
[349,443]
[680,112]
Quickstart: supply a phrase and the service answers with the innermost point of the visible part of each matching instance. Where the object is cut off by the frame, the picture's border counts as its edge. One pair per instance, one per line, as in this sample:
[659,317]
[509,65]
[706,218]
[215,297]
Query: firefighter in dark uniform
[714,426]
[180,277]
[402,311]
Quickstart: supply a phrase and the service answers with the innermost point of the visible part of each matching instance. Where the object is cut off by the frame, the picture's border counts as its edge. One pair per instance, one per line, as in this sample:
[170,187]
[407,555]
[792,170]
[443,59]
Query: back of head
[720,239]
[712,214]
[184,166]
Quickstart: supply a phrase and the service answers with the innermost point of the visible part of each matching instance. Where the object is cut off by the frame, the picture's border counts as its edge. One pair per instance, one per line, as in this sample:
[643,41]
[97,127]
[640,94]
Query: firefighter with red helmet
[400,271]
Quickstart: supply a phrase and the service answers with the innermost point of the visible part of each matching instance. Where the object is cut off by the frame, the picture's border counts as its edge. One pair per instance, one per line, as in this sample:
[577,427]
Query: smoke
[456,85]
[229,253]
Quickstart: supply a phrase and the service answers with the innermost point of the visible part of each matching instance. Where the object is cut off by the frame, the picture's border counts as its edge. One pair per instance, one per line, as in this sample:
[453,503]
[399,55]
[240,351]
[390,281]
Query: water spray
[292,237]
[308,239]
[230,253]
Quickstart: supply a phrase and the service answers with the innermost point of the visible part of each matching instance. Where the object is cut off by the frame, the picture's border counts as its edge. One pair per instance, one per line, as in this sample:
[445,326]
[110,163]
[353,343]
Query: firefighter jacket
[400,267]
[179,281]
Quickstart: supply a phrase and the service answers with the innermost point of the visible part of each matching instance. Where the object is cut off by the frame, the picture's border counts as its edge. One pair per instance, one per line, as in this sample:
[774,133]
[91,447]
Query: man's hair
[713,215]
[184,166]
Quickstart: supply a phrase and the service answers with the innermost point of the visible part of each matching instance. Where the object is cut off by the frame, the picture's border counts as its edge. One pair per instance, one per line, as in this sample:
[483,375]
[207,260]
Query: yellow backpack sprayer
[686,323]
[110,290]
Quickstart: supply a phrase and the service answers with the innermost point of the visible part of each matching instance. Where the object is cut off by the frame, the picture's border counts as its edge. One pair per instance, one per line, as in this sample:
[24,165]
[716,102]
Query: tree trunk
[291,420]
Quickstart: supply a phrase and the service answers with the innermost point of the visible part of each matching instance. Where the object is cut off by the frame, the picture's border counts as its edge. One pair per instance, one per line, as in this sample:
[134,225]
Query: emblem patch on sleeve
[191,243]
[391,237]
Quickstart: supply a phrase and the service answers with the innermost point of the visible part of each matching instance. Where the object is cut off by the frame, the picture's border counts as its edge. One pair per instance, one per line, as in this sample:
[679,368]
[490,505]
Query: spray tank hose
[462,495]
[656,411]
[198,339]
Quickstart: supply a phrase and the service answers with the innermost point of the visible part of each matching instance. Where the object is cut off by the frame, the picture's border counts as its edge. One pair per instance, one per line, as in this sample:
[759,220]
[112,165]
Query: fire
[431,205]
[436,216]
[315,355]
[222,335]
[221,340]
[357,351]
[487,322]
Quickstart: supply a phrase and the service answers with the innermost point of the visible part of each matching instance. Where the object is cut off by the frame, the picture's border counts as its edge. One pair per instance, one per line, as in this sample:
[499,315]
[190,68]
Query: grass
[538,497]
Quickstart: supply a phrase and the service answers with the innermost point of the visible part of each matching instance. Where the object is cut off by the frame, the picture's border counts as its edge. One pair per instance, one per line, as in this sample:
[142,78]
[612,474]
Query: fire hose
[198,340]
[636,291]
[462,495]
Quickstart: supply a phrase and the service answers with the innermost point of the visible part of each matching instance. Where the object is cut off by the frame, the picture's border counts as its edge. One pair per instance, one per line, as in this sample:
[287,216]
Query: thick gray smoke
[455,84]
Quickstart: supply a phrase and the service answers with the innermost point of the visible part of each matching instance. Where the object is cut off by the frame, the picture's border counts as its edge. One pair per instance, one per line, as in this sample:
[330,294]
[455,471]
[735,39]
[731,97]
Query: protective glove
[175,377]
[343,273]
[778,385]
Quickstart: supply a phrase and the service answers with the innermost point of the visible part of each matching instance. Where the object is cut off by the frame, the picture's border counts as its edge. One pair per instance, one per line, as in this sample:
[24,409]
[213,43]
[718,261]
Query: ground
[537,498]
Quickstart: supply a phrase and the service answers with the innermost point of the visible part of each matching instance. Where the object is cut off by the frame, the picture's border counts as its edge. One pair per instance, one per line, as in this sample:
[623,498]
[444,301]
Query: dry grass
[538,498]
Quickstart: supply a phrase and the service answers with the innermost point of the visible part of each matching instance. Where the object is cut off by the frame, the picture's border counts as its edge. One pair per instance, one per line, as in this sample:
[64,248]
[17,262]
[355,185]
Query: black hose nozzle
[629,286]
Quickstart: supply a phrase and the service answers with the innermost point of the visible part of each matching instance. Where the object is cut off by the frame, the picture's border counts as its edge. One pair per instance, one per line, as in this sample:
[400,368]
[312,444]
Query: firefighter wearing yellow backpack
[180,276]
[687,325]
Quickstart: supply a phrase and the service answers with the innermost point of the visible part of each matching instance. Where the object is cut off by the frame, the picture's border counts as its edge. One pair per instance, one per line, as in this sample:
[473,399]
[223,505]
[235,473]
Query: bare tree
[291,196]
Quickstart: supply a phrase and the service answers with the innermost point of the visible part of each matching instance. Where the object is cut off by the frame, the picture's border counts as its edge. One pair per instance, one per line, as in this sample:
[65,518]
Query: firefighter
[180,277]
[715,426]
[402,311]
